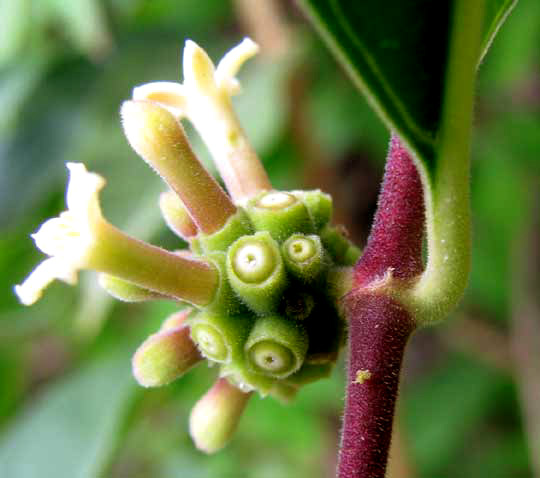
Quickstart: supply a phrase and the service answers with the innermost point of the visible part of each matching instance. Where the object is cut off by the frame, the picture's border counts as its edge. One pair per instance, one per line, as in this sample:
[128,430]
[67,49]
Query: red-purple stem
[379,327]
[396,236]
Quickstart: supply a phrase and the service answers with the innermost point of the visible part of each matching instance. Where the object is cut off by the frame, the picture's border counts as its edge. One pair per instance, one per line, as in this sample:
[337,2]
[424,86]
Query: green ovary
[276,200]
[270,357]
[253,262]
[210,342]
[301,249]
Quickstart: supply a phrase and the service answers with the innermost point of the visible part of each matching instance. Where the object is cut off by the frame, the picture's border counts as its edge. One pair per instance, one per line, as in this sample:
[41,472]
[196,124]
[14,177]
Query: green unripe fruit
[276,347]
[176,215]
[319,206]
[305,257]
[256,272]
[279,213]
[219,338]
[237,225]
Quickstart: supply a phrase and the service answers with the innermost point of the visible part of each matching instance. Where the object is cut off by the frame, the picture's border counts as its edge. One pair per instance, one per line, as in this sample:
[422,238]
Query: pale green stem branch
[447,188]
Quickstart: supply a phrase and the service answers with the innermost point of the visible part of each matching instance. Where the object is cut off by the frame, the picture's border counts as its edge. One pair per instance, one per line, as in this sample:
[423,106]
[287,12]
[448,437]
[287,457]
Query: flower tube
[205,99]
[80,238]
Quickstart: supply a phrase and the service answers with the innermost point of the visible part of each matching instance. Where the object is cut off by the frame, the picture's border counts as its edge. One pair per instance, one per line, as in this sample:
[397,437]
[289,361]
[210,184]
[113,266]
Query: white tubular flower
[68,238]
[205,99]
[202,81]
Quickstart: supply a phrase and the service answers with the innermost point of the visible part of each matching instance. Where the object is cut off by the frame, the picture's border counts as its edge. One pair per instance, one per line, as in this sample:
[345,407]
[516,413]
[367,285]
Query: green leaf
[396,53]
[70,431]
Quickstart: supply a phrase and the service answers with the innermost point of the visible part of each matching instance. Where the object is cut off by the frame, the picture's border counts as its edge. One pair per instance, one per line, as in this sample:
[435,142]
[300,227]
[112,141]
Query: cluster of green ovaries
[273,325]
[263,265]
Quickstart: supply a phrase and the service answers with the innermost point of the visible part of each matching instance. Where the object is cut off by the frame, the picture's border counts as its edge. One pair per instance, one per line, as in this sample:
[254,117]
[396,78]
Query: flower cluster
[261,266]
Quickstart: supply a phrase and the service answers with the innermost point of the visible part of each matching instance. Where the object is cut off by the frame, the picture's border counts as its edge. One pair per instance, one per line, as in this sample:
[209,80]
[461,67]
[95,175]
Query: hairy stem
[378,333]
[379,326]
[395,243]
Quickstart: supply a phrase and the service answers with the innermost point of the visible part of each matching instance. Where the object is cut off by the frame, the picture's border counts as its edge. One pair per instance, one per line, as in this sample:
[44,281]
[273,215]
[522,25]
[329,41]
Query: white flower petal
[168,94]
[231,63]
[68,238]
[198,69]
[50,269]
[82,191]
[65,236]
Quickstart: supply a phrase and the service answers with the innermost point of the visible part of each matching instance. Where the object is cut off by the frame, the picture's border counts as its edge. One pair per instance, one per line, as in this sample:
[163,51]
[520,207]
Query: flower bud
[276,347]
[256,272]
[157,136]
[176,320]
[176,215]
[164,357]
[214,418]
[280,213]
[126,291]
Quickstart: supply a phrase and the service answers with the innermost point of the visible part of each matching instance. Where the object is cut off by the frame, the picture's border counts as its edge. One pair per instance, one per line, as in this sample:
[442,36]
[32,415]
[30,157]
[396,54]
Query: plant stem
[395,242]
[447,188]
[379,327]
[378,333]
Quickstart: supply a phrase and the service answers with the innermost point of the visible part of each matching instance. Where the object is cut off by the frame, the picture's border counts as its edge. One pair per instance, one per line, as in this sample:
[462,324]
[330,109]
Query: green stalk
[447,190]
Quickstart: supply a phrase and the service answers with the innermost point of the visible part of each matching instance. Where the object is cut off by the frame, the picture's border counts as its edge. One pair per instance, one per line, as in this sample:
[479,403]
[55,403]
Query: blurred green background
[69,407]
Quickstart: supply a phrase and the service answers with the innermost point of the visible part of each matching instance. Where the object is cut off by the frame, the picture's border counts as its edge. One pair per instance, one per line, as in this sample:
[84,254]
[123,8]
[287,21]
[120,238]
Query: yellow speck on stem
[362,376]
